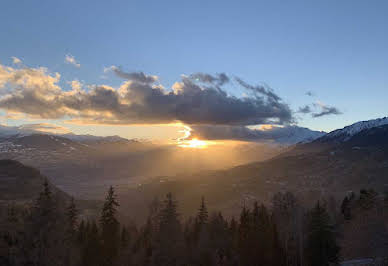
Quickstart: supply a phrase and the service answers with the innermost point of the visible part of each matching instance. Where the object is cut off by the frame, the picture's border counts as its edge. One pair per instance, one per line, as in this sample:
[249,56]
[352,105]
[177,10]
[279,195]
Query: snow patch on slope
[347,132]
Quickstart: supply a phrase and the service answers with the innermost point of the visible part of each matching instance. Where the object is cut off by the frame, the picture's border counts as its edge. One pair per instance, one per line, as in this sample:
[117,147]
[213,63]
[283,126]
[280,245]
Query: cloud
[71,60]
[310,93]
[45,127]
[140,100]
[31,91]
[320,110]
[267,133]
[305,109]
[75,85]
[219,79]
[258,89]
[325,110]
[134,76]
[16,60]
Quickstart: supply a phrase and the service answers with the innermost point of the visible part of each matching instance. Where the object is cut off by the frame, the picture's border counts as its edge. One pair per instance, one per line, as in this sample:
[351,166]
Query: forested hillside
[284,233]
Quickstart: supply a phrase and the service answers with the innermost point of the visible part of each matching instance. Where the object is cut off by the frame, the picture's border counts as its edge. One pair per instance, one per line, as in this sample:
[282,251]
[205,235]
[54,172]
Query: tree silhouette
[322,248]
[110,229]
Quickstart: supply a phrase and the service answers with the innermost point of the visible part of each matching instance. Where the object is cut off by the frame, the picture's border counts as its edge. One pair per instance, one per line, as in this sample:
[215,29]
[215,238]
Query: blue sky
[336,49]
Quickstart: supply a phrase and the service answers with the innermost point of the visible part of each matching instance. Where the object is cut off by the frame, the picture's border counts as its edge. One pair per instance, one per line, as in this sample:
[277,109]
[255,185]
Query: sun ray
[193,143]
[186,142]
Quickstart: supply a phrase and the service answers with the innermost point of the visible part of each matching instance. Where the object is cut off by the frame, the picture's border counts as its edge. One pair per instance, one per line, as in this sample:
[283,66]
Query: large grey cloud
[141,100]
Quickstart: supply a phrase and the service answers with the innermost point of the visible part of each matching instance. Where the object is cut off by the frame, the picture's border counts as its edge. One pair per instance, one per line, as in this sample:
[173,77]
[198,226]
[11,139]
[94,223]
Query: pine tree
[81,232]
[345,208]
[10,235]
[44,205]
[288,217]
[220,238]
[367,198]
[234,233]
[322,249]
[124,238]
[202,249]
[72,218]
[125,251]
[169,246]
[202,216]
[110,227]
[245,244]
[45,232]
[263,234]
[72,251]
[91,246]
[201,222]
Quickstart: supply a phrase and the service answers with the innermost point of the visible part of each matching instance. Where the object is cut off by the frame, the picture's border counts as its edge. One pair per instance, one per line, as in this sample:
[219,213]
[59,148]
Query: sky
[325,61]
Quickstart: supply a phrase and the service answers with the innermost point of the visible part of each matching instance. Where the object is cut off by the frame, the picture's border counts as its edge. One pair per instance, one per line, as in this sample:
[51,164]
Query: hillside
[22,183]
[312,171]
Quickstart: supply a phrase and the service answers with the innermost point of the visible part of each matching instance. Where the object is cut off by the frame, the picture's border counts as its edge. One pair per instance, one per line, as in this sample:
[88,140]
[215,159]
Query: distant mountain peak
[91,138]
[7,132]
[295,134]
[344,134]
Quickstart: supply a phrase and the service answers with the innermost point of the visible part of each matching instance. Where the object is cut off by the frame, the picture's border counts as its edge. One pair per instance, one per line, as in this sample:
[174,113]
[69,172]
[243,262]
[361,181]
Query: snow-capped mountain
[295,134]
[20,131]
[346,133]
[92,139]
[8,131]
[286,135]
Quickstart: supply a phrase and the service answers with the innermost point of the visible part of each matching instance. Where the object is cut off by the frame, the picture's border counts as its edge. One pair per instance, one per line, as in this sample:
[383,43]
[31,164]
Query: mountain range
[82,165]
[344,160]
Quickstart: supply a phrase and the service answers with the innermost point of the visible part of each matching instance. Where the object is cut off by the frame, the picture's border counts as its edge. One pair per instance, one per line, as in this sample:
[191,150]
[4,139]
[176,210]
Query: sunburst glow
[193,143]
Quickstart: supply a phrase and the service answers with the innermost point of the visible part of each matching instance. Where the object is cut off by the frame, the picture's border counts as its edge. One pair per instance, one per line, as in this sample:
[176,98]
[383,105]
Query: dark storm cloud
[326,110]
[139,100]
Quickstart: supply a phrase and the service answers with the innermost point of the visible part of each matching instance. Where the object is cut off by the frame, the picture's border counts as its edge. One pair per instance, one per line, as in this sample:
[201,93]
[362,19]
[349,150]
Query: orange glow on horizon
[194,143]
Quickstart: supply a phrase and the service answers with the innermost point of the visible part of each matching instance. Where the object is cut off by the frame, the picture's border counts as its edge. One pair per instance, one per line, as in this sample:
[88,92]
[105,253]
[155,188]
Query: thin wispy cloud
[16,60]
[310,93]
[219,79]
[71,60]
[45,127]
[325,110]
[319,109]
[305,109]
[134,76]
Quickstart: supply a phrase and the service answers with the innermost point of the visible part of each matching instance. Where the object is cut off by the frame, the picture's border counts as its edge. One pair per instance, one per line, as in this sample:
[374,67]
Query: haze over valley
[193,133]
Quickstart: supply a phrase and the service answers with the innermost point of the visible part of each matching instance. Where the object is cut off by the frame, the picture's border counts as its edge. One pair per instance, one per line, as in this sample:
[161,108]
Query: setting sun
[194,143]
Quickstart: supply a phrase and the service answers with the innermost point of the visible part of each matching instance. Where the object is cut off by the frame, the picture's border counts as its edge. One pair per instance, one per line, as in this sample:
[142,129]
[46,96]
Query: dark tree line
[50,234]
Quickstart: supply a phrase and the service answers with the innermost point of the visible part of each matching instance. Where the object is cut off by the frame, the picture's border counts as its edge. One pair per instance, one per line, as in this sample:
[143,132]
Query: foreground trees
[110,230]
[322,249]
[49,233]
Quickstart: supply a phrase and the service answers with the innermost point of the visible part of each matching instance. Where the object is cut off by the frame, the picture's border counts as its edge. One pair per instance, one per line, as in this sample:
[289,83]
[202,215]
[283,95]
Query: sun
[187,142]
[193,143]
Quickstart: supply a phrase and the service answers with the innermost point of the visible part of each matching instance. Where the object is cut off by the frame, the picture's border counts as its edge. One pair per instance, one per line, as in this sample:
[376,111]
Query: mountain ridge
[344,134]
